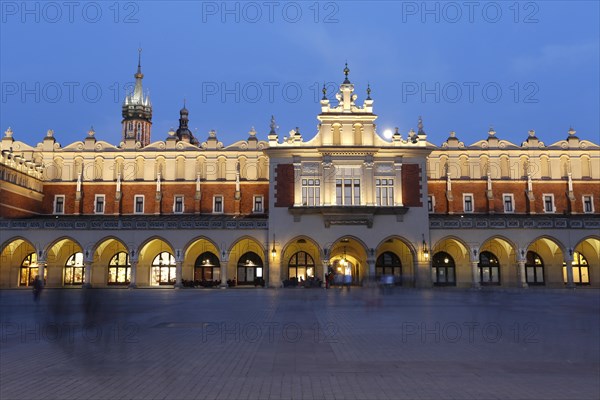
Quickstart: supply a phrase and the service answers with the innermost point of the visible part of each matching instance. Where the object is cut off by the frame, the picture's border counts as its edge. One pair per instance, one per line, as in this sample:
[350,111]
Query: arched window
[163,269]
[388,263]
[443,269]
[29,270]
[581,272]
[301,265]
[534,269]
[119,269]
[74,270]
[207,267]
[489,269]
[249,267]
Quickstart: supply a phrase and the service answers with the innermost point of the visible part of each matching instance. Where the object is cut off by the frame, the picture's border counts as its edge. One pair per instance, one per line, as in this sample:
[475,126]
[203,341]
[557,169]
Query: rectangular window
[549,203]
[178,205]
[311,192]
[59,204]
[347,192]
[258,204]
[218,204]
[430,203]
[508,203]
[384,192]
[138,202]
[588,204]
[468,203]
[99,204]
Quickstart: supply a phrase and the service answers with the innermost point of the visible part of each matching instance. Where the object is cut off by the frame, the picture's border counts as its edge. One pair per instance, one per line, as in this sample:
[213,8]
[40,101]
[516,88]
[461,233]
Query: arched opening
[458,266]
[389,264]
[581,270]
[119,269]
[249,268]
[397,260]
[443,269]
[73,272]
[207,268]
[163,269]
[548,270]
[348,261]
[29,270]
[489,269]
[534,269]
[301,266]
[498,262]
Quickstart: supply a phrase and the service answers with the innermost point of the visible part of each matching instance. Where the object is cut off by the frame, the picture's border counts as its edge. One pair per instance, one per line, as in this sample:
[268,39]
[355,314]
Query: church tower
[137,111]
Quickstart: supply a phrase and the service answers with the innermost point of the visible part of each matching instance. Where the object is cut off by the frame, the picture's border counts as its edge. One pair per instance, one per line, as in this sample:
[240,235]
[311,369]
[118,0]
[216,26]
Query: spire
[138,91]
[324,90]
[139,70]
[420,126]
[368,91]
[346,72]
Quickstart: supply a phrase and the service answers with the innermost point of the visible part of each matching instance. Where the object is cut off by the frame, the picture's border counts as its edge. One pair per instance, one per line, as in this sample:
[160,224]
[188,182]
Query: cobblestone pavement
[300,344]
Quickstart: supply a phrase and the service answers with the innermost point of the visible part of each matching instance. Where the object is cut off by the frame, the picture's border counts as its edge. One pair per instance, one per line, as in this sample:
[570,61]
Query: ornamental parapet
[137,222]
[515,222]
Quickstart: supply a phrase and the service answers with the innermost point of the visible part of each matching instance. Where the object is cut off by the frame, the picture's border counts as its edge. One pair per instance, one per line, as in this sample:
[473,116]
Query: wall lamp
[273,250]
[425,249]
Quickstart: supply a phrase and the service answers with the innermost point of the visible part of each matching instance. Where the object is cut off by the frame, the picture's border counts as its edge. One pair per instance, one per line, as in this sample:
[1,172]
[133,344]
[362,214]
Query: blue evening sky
[463,66]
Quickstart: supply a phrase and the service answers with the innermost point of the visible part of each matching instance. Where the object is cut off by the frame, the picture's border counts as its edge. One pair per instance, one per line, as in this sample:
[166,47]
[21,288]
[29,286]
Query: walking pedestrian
[37,288]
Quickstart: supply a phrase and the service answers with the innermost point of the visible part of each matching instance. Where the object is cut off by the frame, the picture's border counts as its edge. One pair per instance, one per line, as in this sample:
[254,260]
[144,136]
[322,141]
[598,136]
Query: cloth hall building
[155,213]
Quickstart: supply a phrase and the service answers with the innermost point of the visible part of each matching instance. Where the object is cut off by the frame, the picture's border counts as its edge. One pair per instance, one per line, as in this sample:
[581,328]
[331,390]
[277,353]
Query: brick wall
[521,203]
[14,205]
[411,185]
[284,185]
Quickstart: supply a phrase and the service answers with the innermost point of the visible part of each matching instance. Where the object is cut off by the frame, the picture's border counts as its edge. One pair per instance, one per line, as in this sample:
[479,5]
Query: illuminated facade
[181,211]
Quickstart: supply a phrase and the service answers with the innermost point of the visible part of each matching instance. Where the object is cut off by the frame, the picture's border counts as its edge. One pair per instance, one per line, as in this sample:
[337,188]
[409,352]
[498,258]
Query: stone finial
[452,134]
[324,90]
[531,133]
[50,133]
[346,72]
[368,91]
[491,131]
[252,132]
[172,132]
[91,132]
[212,133]
[572,131]
[8,133]
[420,126]
[273,126]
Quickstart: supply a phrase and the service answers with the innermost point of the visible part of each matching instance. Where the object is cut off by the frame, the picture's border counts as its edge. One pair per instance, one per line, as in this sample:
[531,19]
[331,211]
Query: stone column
[326,184]
[224,260]
[371,264]
[297,182]
[87,273]
[475,274]
[368,191]
[475,284]
[522,275]
[398,196]
[568,259]
[521,260]
[133,260]
[41,263]
[178,267]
